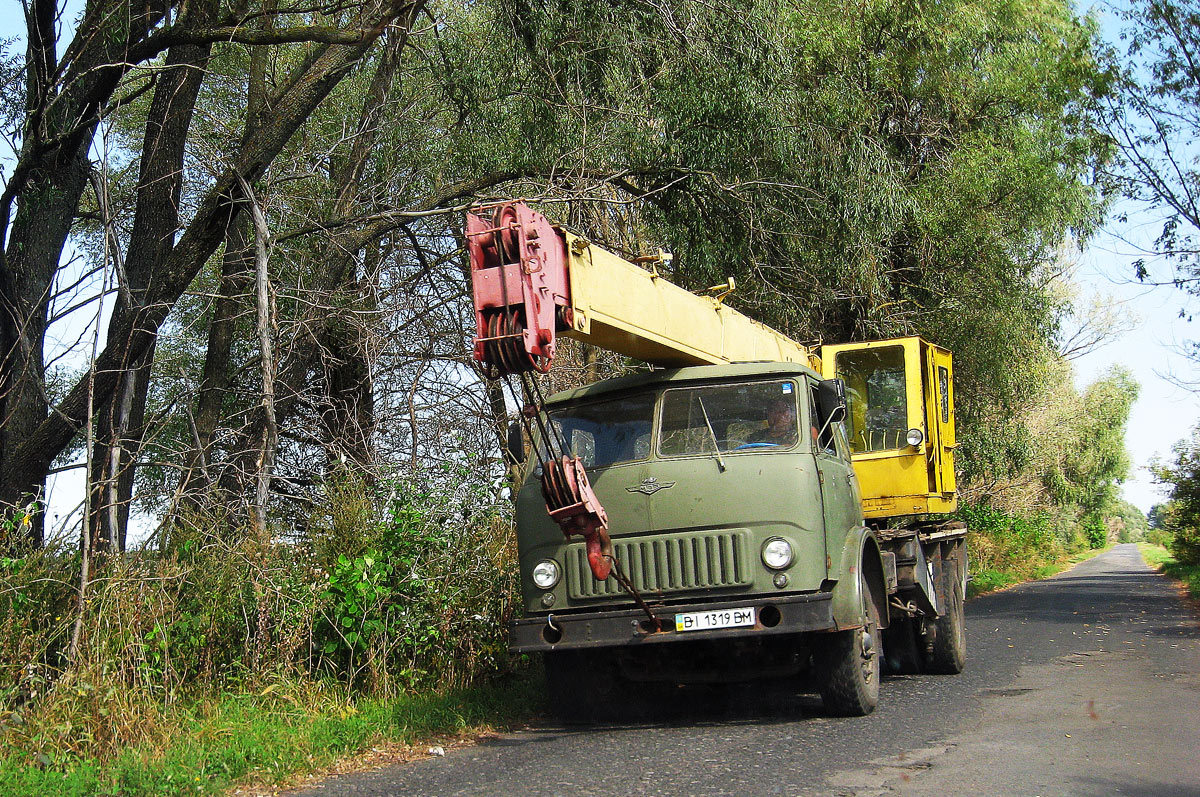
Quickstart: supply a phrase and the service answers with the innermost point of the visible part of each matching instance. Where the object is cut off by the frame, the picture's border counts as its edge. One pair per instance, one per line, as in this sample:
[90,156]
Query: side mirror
[516,444]
[831,400]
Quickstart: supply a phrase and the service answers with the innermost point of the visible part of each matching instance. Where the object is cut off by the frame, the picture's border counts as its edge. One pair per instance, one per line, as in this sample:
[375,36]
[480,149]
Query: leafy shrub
[1004,548]
[1159,536]
[1185,545]
[427,600]
[419,595]
[1095,531]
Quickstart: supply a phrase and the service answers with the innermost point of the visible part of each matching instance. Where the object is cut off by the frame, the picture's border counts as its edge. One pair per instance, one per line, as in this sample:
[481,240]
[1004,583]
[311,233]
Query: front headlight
[545,573]
[915,436]
[777,553]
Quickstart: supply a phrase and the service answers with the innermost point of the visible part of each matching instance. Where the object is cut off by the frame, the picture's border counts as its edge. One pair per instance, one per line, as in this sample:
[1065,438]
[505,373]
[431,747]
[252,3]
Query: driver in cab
[781,425]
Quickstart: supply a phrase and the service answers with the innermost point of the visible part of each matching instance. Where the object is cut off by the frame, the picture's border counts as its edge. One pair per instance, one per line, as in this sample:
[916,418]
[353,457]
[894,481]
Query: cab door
[841,499]
[939,412]
[944,373]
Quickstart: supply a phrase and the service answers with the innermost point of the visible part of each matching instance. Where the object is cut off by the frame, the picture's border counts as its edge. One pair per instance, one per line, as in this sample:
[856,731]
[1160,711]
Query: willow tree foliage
[1089,443]
[862,170]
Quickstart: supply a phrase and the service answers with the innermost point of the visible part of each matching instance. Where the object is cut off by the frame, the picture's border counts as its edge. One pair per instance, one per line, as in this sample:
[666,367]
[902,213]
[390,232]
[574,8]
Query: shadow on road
[697,706]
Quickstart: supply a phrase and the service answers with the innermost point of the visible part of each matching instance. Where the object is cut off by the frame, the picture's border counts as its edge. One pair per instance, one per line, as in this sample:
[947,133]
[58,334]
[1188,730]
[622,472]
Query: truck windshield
[756,416]
[875,391]
[604,433]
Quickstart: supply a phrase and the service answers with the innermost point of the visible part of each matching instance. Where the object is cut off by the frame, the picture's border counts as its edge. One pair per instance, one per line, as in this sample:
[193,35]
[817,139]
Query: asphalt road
[1087,683]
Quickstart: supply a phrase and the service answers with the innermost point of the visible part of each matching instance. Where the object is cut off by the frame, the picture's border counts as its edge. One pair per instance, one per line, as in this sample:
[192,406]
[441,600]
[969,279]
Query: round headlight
[915,437]
[777,553]
[545,573]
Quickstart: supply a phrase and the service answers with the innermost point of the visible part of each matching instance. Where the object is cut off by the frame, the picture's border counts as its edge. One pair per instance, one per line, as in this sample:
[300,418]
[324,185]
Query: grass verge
[1161,559]
[212,744]
[990,580]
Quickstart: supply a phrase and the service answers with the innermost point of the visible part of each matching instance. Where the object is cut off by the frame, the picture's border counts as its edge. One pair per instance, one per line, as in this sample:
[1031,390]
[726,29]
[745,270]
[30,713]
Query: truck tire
[949,653]
[849,664]
[583,686]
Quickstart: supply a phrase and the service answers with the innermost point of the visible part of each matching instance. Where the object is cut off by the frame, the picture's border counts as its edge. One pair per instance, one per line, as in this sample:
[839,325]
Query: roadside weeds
[265,743]
[1186,576]
[989,581]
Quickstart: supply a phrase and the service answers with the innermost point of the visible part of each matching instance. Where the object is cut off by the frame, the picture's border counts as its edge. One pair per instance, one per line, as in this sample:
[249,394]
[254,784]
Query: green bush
[425,596]
[401,586]
[1159,536]
[1004,548]
[1095,532]
[1185,545]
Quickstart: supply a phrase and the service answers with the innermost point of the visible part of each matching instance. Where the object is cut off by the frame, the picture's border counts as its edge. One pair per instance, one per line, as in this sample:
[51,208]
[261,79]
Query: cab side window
[823,441]
[843,445]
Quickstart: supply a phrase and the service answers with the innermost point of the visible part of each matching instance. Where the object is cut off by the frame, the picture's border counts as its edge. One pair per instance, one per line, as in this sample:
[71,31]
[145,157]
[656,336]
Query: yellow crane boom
[532,281]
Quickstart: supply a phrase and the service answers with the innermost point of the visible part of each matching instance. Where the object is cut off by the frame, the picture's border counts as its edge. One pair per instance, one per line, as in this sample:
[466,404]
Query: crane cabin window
[944,392]
[876,393]
[739,418]
[604,433]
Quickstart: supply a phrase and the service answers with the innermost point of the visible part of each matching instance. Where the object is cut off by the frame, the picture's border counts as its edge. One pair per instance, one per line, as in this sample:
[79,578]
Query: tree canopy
[275,212]
[1181,514]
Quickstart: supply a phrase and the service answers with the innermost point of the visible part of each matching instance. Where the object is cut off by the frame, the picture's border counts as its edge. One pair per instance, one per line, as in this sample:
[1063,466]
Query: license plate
[720,618]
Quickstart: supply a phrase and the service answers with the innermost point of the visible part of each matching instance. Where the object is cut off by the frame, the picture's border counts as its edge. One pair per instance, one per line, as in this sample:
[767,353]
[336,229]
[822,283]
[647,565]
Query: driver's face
[779,413]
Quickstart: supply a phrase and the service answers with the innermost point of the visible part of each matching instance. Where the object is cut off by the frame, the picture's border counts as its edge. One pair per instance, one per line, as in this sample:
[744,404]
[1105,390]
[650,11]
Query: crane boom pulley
[519,281]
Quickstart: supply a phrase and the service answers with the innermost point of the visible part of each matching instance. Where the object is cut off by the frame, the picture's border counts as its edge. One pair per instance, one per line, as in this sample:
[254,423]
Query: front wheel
[848,665]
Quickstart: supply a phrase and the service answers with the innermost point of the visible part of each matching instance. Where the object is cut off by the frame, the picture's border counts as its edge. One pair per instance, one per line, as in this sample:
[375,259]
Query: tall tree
[1181,514]
[66,97]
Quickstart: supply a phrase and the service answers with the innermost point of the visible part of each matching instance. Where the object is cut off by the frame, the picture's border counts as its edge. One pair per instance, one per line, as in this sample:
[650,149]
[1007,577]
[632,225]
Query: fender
[861,549]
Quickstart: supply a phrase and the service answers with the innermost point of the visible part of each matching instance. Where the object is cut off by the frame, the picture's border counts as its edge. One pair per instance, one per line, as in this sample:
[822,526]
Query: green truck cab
[735,512]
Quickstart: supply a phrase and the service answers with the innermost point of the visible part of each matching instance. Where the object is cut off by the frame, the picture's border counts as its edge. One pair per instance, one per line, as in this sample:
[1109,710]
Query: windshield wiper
[712,434]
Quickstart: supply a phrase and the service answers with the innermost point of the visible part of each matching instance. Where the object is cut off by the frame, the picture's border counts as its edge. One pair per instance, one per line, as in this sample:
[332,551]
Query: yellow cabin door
[943,416]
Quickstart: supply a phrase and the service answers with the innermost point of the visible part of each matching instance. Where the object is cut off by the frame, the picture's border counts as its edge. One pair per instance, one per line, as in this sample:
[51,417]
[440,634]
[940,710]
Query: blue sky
[1164,412]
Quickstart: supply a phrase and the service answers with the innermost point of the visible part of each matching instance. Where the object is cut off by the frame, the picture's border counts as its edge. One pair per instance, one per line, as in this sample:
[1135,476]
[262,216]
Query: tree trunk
[349,416]
[62,104]
[156,219]
[265,321]
[215,379]
[339,345]
[35,246]
[328,65]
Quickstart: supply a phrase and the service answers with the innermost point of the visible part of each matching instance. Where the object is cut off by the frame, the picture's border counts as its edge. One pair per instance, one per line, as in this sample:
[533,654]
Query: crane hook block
[575,508]
[518,280]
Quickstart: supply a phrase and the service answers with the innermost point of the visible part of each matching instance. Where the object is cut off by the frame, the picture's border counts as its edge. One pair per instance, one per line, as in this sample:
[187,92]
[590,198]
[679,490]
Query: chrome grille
[668,563]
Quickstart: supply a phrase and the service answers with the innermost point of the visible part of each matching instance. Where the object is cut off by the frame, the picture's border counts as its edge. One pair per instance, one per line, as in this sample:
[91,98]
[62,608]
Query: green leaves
[1181,514]
[360,591]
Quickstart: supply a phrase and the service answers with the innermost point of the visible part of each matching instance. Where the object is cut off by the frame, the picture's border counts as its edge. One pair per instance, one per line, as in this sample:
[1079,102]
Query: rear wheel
[849,664]
[949,653]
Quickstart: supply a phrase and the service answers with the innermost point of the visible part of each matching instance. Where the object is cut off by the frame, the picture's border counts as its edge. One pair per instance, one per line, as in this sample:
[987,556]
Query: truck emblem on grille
[650,486]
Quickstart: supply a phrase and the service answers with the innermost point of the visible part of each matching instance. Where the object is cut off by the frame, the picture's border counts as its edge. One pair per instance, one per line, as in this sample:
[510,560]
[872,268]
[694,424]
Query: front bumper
[785,614]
